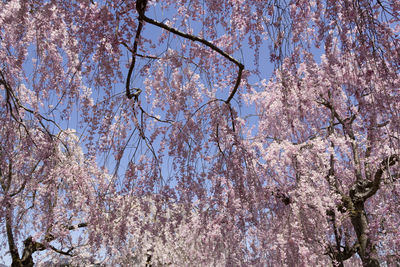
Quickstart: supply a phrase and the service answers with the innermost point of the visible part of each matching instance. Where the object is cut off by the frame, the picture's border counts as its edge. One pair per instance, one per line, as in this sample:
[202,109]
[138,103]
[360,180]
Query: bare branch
[206,43]
[140,7]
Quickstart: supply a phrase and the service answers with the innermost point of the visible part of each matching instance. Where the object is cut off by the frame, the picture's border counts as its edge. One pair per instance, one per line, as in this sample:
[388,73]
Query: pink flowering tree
[186,150]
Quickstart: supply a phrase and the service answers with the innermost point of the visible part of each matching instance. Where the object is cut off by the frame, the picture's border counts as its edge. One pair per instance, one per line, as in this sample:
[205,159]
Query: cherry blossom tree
[337,138]
[205,132]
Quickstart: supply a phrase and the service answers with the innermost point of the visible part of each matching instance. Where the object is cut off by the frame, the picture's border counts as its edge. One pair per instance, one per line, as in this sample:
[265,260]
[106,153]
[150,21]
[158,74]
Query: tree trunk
[366,250]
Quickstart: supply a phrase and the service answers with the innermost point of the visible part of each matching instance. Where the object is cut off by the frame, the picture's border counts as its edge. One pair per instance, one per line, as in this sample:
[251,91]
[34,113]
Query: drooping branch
[12,100]
[141,8]
[206,43]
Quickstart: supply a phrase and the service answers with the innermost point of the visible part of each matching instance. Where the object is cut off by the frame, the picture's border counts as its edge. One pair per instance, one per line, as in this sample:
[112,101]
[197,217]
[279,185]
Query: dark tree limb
[385,164]
[206,43]
[31,246]
[76,226]
[359,193]
[10,237]
[283,197]
[342,253]
[362,190]
[141,8]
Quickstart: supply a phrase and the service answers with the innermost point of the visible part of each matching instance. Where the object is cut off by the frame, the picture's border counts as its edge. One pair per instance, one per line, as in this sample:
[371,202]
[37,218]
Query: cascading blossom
[199,133]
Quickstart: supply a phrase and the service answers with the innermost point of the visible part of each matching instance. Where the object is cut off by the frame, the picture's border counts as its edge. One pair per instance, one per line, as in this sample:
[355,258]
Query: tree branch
[66,253]
[385,164]
[76,226]
[10,236]
[283,197]
[31,246]
[141,7]
[347,129]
